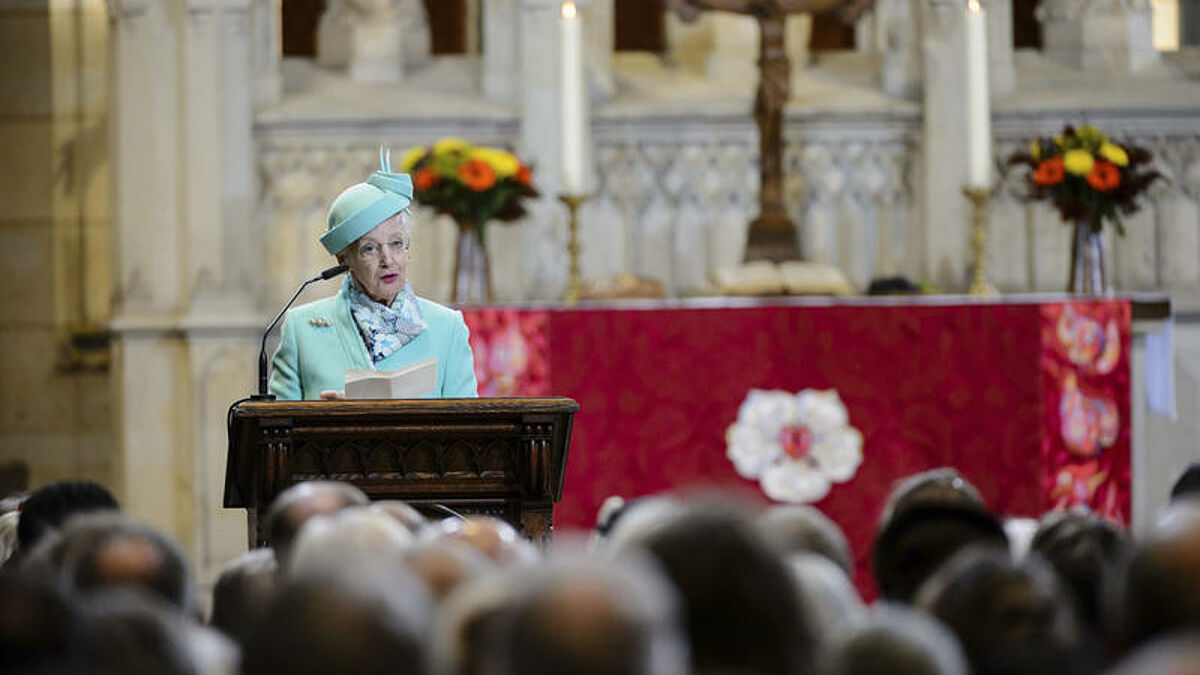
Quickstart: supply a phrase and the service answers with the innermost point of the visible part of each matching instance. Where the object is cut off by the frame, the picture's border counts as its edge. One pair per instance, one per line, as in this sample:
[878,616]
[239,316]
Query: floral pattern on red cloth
[511,350]
[1085,379]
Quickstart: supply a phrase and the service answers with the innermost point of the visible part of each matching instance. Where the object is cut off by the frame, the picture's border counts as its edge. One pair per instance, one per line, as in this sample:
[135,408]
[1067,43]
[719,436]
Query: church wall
[55,400]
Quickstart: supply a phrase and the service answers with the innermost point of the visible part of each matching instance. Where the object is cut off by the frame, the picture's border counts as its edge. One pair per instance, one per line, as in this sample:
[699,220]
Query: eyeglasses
[369,250]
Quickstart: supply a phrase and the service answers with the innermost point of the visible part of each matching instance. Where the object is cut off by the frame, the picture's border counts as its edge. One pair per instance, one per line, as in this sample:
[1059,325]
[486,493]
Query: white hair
[344,544]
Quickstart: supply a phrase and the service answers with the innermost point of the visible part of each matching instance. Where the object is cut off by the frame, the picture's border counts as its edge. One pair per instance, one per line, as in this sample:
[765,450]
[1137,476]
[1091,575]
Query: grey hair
[896,639]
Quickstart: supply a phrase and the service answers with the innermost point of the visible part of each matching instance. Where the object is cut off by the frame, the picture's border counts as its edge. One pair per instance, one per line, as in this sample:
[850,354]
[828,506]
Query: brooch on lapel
[320,322]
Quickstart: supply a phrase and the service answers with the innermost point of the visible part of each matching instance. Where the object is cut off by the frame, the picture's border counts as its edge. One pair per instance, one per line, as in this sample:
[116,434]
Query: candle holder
[981,201]
[574,284]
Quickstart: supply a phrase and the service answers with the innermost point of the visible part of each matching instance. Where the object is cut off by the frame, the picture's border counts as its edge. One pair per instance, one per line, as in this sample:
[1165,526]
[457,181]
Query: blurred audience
[803,529]
[895,640]
[667,585]
[1162,585]
[301,502]
[741,609]
[1011,618]
[587,618]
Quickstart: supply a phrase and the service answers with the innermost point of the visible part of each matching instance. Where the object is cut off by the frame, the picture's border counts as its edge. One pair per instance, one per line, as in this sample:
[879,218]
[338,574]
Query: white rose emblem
[796,446]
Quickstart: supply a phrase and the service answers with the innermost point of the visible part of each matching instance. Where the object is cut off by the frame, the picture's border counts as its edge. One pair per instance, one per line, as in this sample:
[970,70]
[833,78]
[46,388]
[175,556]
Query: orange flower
[1049,172]
[1104,176]
[425,178]
[477,175]
[524,175]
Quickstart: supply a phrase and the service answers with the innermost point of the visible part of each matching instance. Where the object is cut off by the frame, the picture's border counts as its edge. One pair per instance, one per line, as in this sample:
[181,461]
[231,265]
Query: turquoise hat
[363,207]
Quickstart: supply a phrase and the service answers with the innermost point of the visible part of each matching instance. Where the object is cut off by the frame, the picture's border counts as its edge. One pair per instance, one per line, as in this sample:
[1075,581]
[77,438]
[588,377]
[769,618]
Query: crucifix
[772,233]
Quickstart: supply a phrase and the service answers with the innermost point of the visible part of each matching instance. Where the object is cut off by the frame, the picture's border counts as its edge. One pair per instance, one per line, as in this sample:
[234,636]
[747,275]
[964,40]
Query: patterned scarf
[385,329]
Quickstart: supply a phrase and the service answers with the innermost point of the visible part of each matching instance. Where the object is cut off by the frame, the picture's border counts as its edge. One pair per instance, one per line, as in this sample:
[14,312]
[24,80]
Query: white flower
[794,482]
[797,446]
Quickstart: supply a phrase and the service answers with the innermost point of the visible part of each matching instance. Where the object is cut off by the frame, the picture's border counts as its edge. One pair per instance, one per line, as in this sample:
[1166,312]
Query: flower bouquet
[1089,179]
[470,183]
[473,185]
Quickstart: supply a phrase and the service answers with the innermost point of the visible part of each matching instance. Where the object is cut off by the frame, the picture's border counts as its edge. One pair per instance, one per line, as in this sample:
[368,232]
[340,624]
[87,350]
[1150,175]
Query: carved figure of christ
[772,234]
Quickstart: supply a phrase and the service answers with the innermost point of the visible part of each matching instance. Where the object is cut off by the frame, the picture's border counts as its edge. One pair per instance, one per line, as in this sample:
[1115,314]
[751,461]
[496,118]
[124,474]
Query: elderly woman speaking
[375,321]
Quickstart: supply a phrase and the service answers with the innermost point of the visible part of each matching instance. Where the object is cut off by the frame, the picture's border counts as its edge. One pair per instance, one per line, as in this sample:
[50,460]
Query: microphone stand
[262,394]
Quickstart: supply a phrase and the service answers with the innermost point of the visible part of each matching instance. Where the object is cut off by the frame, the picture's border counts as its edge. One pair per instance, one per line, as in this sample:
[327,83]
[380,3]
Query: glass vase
[472,280]
[1089,272]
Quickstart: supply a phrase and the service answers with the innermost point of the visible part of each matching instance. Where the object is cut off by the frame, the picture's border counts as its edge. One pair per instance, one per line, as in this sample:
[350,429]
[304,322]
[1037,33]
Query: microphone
[262,394]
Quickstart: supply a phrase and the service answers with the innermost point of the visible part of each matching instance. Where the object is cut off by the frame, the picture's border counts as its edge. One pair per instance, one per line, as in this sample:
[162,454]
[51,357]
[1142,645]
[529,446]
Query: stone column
[188,260]
[899,23]
[501,51]
[1002,71]
[943,162]
[544,245]
[267,52]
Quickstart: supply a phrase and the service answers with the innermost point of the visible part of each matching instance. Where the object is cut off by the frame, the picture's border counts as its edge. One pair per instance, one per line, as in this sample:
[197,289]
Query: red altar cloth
[1029,400]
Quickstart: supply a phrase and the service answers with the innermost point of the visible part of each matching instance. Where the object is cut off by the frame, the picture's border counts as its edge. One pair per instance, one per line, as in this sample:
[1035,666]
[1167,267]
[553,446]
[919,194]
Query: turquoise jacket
[320,342]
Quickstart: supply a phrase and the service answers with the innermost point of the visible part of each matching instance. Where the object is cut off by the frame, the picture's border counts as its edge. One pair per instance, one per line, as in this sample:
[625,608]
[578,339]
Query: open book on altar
[412,381]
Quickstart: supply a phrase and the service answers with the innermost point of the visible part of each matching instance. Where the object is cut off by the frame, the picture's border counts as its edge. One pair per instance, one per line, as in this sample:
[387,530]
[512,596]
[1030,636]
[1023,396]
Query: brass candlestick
[574,284]
[981,201]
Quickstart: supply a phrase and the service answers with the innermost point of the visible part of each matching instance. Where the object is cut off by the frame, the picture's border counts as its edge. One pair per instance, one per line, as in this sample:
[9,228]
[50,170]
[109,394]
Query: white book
[412,381]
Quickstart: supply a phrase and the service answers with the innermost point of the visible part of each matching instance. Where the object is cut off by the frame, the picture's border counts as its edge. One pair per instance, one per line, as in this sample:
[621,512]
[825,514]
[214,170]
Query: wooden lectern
[502,457]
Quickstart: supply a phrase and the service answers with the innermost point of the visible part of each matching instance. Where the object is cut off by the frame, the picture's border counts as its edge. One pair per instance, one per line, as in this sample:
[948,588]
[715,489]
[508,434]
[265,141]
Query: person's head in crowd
[243,593]
[372,623]
[1162,583]
[795,528]
[135,633]
[446,564]
[1012,618]
[40,629]
[48,507]
[895,640]
[1175,654]
[296,505]
[741,608]
[940,486]
[827,596]
[102,551]
[919,538]
[595,618]
[492,537]
[1089,555]
[632,521]
[470,623]
[1188,483]
[339,543]
[403,513]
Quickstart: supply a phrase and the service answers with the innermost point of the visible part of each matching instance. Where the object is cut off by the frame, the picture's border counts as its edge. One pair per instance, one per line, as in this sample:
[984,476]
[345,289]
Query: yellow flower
[1078,162]
[1058,140]
[411,158]
[1035,150]
[450,144]
[1115,154]
[503,163]
[1091,137]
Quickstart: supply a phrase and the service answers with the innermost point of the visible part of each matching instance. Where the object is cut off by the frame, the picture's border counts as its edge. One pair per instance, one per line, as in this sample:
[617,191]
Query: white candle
[979,120]
[573,106]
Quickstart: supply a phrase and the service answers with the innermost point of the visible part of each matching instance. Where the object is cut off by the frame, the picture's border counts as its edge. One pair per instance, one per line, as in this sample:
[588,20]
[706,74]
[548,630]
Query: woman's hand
[333,395]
